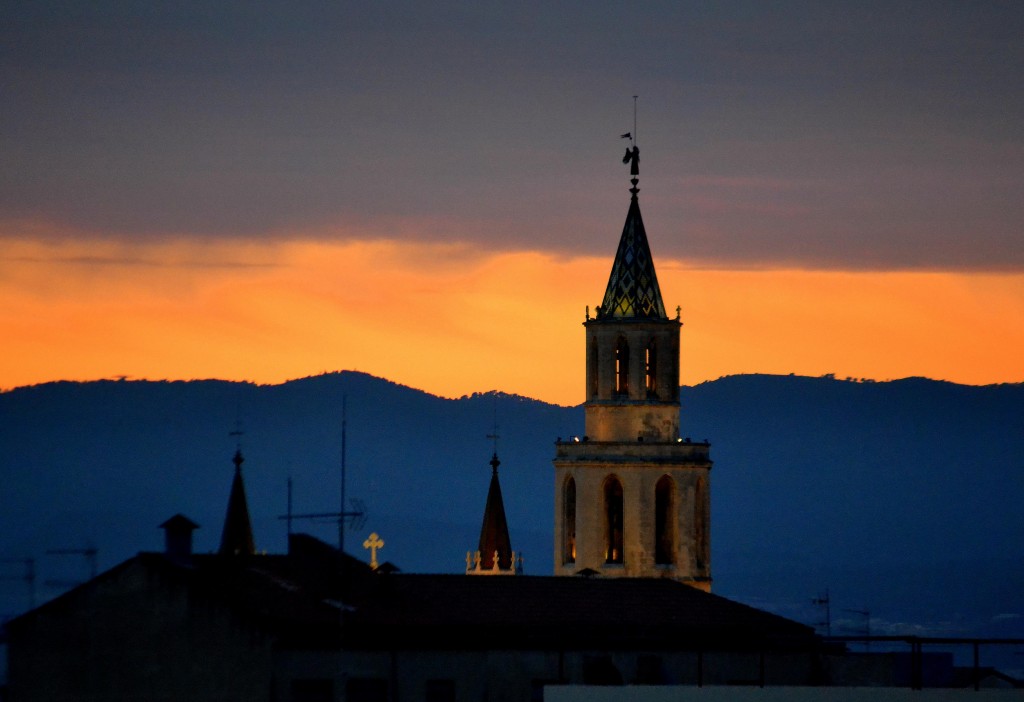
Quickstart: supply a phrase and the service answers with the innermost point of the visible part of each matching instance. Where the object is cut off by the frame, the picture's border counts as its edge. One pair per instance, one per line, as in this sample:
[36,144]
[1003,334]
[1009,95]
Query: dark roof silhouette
[633,291]
[525,611]
[494,530]
[318,596]
[179,522]
[236,539]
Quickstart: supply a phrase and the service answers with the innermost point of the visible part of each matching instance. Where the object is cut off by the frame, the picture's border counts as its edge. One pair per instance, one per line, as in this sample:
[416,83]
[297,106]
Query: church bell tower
[632,496]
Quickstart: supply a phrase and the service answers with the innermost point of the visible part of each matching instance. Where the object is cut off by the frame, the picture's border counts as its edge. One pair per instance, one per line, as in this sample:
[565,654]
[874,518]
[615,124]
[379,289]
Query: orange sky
[454,321]
[169,190]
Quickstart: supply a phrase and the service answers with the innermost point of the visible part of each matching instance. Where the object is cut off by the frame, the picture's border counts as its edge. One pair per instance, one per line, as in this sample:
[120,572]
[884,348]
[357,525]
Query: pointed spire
[494,531]
[237,536]
[633,290]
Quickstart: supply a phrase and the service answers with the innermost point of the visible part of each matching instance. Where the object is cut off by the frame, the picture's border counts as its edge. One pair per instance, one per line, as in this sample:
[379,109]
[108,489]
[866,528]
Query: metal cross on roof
[373,543]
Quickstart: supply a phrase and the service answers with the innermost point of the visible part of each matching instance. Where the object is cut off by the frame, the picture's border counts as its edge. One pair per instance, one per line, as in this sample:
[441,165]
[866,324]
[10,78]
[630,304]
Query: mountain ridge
[817,481]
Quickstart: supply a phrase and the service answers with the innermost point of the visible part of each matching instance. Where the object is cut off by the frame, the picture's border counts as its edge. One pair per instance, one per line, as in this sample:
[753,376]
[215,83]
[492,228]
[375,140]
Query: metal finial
[238,432]
[494,432]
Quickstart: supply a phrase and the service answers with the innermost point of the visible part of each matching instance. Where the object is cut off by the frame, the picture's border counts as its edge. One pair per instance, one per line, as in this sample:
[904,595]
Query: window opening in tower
[621,367]
[651,369]
[570,521]
[613,519]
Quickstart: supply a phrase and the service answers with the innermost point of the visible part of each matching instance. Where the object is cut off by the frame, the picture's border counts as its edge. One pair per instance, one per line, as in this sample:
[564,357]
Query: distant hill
[903,497]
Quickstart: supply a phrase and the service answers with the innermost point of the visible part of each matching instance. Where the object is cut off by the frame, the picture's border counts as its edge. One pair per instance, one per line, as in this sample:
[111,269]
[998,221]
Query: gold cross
[373,543]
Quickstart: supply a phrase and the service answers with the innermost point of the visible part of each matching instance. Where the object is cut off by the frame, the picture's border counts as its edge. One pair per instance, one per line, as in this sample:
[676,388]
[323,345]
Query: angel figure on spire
[632,157]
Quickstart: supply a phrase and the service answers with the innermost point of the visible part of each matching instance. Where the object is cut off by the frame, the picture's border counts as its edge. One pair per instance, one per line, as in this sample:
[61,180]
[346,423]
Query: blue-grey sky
[867,135]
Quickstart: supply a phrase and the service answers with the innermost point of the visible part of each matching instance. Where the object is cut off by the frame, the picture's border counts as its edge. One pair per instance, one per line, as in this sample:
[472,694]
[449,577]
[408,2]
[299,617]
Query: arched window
[651,369]
[613,520]
[569,521]
[700,527]
[621,366]
[593,370]
[664,532]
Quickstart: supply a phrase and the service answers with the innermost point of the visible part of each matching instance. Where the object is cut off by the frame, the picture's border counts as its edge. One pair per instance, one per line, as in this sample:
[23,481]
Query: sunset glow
[452,320]
[434,195]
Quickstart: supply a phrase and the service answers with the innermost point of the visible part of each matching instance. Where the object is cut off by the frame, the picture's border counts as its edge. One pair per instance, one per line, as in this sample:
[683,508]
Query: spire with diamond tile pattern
[633,290]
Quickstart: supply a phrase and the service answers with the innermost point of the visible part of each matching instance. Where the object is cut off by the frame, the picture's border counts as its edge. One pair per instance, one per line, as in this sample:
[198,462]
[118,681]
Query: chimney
[178,537]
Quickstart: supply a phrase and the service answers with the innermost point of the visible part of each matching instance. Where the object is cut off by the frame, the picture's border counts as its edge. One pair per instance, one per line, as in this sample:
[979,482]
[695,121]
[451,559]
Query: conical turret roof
[633,290]
[494,531]
[237,536]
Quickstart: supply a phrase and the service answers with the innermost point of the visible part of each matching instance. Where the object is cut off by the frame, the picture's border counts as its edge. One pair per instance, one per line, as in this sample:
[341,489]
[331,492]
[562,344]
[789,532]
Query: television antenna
[88,553]
[355,515]
[824,602]
[867,624]
[29,577]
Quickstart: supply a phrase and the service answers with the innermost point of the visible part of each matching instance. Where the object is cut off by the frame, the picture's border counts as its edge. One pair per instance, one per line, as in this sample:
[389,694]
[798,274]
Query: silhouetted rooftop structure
[236,539]
[316,596]
[494,536]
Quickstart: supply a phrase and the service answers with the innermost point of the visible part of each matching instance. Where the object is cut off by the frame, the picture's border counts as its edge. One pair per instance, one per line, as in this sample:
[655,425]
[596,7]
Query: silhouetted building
[316,624]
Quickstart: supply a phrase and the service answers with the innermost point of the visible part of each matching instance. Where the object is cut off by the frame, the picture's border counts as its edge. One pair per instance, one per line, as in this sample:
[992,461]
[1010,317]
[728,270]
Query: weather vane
[632,156]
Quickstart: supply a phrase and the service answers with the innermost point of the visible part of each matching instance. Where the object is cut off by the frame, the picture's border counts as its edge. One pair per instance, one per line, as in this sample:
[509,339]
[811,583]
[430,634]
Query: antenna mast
[341,508]
[89,554]
[826,603]
[289,515]
[358,511]
[29,577]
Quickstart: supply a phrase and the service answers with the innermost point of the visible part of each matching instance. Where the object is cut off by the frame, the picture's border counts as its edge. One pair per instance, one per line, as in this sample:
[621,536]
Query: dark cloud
[867,135]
